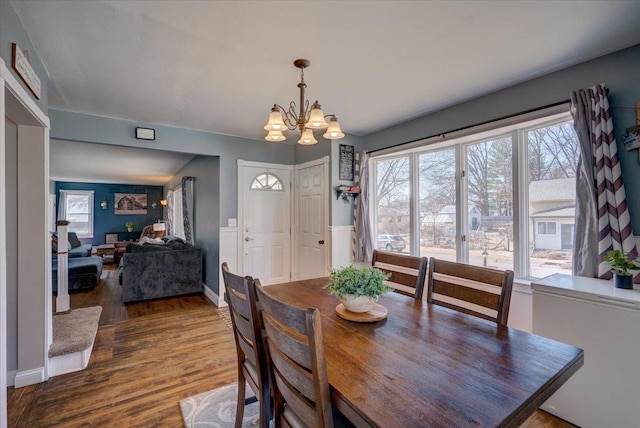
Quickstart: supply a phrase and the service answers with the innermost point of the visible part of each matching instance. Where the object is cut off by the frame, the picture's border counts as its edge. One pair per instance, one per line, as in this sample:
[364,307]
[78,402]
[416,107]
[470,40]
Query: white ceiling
[220,65]
[101,163]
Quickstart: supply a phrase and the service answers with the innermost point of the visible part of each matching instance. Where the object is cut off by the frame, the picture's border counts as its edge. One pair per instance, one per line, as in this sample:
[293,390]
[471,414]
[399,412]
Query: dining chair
[474,290]
[296,363]
[252,361]
[408,273]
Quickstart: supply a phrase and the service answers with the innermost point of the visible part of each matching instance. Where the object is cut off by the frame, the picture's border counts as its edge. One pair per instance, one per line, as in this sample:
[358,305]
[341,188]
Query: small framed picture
[110,238]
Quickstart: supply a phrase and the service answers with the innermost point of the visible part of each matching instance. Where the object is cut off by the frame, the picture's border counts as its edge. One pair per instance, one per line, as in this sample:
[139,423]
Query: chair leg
[242,384]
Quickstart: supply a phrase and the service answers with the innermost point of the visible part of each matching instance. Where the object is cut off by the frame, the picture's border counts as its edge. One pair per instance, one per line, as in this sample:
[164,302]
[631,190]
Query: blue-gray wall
[12,31]
[119,132]
[619,71]
[106,221]
[206,227]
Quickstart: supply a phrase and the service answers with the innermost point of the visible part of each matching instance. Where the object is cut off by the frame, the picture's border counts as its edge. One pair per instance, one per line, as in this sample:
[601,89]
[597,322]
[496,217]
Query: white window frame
[517,130]
[89,195]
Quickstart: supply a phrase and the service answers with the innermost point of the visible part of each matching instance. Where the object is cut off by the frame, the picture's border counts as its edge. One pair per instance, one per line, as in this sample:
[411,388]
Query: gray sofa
[155,271]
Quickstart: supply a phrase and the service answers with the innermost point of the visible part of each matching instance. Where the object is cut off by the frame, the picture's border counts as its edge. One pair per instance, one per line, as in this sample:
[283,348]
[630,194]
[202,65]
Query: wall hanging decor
[130,203]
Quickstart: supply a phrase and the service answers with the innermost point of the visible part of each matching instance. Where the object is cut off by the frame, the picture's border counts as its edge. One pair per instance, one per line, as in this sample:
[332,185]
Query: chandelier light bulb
[316,118]
[275,122]
[307,138]
[333,131]
[276,136]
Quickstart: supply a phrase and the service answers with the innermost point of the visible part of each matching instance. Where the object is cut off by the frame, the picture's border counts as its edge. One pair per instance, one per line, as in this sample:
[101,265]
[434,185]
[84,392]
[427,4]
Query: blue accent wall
[106,221]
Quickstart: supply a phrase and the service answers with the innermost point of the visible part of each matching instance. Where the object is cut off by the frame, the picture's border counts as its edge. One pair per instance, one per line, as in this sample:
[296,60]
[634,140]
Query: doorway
[311,215]
[264,195]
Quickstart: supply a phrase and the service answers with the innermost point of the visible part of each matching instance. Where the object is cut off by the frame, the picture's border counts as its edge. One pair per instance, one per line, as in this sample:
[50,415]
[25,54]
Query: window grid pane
[393,193]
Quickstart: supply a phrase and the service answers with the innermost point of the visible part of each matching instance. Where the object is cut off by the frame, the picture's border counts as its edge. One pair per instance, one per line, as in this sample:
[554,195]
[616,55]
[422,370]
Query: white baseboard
[69,363]
[29,377]
[211,295]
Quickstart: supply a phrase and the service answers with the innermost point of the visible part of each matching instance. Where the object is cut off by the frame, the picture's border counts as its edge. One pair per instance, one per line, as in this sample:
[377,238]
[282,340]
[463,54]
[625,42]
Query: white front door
[266,222]
[311,203]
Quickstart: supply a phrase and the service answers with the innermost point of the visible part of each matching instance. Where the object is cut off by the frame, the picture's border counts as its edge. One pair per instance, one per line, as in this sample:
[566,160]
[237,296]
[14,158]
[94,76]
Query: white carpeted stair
[73,336]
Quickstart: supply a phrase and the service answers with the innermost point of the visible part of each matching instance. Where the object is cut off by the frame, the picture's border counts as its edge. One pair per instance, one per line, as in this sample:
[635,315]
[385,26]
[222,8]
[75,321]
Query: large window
[78,211]
[504,198]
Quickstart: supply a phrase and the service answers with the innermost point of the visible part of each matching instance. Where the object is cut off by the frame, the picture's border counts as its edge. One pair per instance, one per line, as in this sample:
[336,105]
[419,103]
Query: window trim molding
[516,128]
[92,211]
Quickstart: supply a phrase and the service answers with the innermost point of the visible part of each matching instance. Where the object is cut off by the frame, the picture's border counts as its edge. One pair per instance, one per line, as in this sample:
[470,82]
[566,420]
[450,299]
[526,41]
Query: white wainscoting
[521,307]
[341,245]
[228,253]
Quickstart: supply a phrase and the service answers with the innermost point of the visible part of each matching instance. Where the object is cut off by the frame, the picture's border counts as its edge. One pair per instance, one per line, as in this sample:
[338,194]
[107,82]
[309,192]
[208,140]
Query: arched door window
[267,181]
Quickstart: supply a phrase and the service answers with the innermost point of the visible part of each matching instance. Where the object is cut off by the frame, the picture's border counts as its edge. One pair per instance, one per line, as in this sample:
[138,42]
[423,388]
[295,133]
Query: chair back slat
[478,291]
[251,353]
[408,273]
[296,360]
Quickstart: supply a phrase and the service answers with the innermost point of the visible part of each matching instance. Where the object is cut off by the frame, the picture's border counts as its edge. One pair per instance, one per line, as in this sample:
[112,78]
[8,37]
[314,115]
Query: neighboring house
[552,212]
[444,222]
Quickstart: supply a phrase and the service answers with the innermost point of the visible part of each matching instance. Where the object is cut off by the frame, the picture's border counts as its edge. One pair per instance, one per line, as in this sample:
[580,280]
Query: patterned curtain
[168,215]
[363,245]
[602,217]
[187,208]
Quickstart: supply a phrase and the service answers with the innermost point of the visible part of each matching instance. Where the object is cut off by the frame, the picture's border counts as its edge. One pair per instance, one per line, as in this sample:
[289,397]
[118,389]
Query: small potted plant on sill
[129,226]
[622,266]
[358,288]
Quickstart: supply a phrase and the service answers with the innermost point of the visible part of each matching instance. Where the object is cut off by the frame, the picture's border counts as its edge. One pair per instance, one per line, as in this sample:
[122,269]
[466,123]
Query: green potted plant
[622,266]
[358,288]
[129,226]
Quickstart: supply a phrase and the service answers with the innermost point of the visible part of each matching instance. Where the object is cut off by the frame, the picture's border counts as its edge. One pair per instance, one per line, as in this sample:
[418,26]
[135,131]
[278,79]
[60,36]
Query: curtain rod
[472,126]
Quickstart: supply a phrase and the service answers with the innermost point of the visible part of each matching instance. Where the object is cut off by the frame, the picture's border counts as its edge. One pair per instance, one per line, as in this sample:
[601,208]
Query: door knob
[248,239]
[321,242]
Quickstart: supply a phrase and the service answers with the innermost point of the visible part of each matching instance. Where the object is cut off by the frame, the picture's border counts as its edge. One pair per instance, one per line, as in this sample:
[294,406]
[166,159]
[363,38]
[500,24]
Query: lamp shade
[333,131]
[307,138]
[316,118]
[159,227]
[275,136]
[275,122]
[163,202]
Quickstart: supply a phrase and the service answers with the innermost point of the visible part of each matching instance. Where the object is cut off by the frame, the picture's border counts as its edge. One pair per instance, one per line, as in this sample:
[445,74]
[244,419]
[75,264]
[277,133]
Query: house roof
[560,189]
[562,212]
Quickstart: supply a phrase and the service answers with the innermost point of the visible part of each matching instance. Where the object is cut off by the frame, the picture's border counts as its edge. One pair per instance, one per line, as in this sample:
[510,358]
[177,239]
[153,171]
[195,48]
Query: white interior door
[311,204]
[266,223]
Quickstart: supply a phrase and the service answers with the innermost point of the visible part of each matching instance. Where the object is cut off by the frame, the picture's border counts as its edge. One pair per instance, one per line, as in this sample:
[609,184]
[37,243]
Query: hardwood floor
[146,358]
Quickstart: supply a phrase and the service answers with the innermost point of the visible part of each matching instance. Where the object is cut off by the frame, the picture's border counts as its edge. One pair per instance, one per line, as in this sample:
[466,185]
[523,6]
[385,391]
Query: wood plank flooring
[146,358]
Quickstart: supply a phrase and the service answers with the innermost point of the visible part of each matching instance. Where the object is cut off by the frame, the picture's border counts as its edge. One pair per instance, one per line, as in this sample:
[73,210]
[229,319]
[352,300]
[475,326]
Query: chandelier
[306,120]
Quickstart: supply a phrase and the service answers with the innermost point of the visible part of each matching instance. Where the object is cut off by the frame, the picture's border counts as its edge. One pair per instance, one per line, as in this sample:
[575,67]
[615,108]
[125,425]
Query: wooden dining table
[429,366]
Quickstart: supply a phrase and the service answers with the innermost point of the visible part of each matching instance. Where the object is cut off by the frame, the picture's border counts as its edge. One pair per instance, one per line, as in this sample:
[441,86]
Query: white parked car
[391,243]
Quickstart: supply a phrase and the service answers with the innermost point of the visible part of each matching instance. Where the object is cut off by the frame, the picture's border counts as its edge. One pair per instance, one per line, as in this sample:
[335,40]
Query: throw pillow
[73,240]
[54,243]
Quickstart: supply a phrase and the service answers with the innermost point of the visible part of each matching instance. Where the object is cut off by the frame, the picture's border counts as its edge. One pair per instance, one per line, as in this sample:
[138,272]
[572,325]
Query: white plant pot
[357,304]
[129,229]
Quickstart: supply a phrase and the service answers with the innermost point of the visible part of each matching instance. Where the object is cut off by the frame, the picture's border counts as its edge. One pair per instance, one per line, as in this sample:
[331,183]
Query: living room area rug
[217,408]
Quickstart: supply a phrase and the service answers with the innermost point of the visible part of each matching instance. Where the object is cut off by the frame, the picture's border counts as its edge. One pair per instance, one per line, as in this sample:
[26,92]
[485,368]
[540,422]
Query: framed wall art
[130,203]
[346,162]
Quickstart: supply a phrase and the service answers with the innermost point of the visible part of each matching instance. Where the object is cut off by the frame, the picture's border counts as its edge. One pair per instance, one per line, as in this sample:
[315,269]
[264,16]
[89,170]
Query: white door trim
[295,195]
[9,82]
[242,186]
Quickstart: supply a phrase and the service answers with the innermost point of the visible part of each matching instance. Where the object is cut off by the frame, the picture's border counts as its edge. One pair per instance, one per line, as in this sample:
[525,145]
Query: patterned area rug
[217,408]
